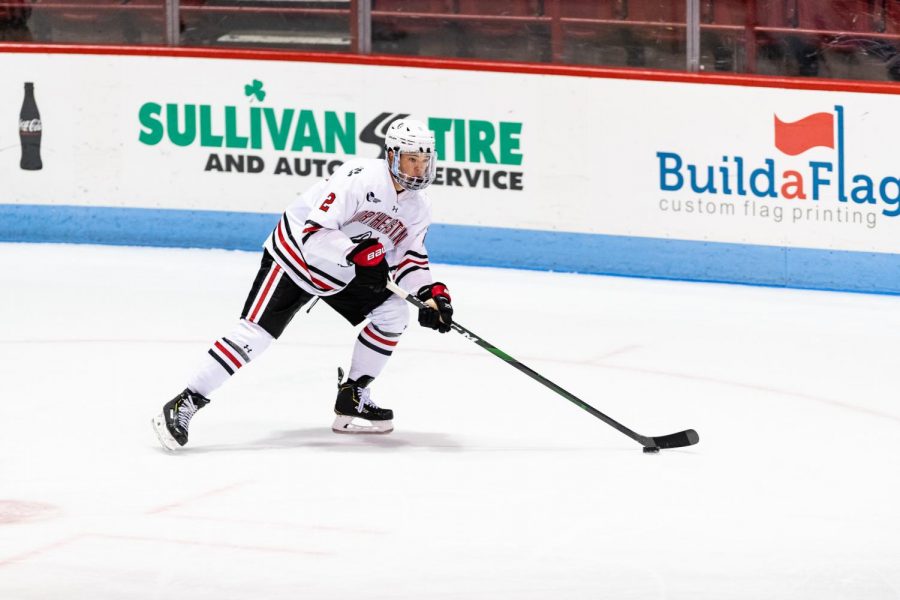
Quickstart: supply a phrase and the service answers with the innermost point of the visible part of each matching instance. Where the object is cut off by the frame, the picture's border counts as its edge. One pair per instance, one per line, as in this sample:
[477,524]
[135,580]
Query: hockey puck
[650,449]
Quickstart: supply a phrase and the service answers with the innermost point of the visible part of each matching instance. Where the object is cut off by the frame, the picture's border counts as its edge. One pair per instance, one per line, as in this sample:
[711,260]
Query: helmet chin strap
[397,187]
[394,170]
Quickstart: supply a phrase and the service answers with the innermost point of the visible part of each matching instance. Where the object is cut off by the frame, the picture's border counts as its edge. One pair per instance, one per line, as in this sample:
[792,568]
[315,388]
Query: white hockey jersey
[358,202]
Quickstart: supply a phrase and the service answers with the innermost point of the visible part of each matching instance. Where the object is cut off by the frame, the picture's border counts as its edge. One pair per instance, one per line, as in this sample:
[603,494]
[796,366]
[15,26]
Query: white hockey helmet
[411,137]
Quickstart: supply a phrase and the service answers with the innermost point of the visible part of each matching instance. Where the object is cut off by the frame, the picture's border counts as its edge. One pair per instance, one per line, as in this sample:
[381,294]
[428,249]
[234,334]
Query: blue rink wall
[479,246]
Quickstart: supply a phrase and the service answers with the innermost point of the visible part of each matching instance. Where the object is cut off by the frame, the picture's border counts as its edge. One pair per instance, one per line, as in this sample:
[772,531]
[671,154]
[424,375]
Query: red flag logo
[798,137]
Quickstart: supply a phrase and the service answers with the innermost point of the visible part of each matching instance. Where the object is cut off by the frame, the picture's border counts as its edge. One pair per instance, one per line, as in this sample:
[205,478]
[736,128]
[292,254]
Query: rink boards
[674,176]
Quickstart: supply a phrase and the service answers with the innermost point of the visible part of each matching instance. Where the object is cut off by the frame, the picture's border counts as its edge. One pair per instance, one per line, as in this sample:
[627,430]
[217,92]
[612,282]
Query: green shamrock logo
[255,89]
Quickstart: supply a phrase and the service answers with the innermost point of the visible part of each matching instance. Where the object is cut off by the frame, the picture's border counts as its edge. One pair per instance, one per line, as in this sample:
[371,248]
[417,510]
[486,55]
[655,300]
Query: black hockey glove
[439,318]
[371,268]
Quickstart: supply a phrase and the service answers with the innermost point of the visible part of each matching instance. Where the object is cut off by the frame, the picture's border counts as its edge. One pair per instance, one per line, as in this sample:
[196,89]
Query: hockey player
[339,241]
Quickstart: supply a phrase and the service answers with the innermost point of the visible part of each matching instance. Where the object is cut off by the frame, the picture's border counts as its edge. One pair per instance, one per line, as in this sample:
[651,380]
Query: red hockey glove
[438,314]
[371,267]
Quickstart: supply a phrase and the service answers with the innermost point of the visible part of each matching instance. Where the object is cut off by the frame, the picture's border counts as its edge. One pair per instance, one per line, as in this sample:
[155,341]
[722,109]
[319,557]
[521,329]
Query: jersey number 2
[327,203]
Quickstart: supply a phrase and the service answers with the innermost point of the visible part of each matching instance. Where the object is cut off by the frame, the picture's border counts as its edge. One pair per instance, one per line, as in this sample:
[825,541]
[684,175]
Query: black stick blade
[681,439]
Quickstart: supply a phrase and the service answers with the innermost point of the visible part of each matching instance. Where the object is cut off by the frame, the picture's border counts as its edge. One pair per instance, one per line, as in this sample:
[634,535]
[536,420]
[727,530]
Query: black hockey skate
[172,424]
[353,405]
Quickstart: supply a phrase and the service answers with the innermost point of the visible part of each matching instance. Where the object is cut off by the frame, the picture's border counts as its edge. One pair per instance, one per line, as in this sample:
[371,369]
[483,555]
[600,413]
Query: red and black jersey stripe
[288,250]
[412,261]
[337,282]
[309,228]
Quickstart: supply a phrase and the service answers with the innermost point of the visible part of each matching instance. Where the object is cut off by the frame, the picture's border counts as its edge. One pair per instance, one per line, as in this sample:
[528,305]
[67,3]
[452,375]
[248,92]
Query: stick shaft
[527,370]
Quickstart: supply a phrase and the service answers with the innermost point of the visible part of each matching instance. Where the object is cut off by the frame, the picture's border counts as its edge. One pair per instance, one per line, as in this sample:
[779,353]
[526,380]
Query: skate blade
[162,432]
[357,425]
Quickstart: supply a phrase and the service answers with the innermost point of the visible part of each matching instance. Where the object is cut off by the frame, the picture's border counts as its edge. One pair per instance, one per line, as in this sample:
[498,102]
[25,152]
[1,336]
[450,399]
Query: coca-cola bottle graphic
[30,131]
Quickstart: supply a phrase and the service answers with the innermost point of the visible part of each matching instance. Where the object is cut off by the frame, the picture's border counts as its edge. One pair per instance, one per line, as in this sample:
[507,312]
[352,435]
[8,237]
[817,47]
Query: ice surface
[491,486]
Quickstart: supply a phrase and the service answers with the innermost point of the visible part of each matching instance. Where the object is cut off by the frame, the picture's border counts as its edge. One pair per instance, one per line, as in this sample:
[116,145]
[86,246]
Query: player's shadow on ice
[328,440]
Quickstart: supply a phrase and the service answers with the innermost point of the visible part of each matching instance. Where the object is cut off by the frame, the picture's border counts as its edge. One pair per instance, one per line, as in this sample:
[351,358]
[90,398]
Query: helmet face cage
[411,182]
[405,137]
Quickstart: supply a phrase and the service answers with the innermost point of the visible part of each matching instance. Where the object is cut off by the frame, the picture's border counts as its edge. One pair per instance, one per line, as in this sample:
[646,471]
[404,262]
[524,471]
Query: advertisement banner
[621,160]
[249,136]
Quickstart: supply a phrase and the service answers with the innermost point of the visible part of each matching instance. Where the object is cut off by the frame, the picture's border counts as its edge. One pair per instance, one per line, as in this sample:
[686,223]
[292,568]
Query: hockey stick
[688,437]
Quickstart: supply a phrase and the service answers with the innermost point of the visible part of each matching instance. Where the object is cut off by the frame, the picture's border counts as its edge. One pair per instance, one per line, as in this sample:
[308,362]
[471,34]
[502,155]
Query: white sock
[226,355]
[378,339]
[372,350]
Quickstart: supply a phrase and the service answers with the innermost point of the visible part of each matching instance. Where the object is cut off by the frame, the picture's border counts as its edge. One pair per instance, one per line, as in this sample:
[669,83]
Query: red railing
[553,19]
